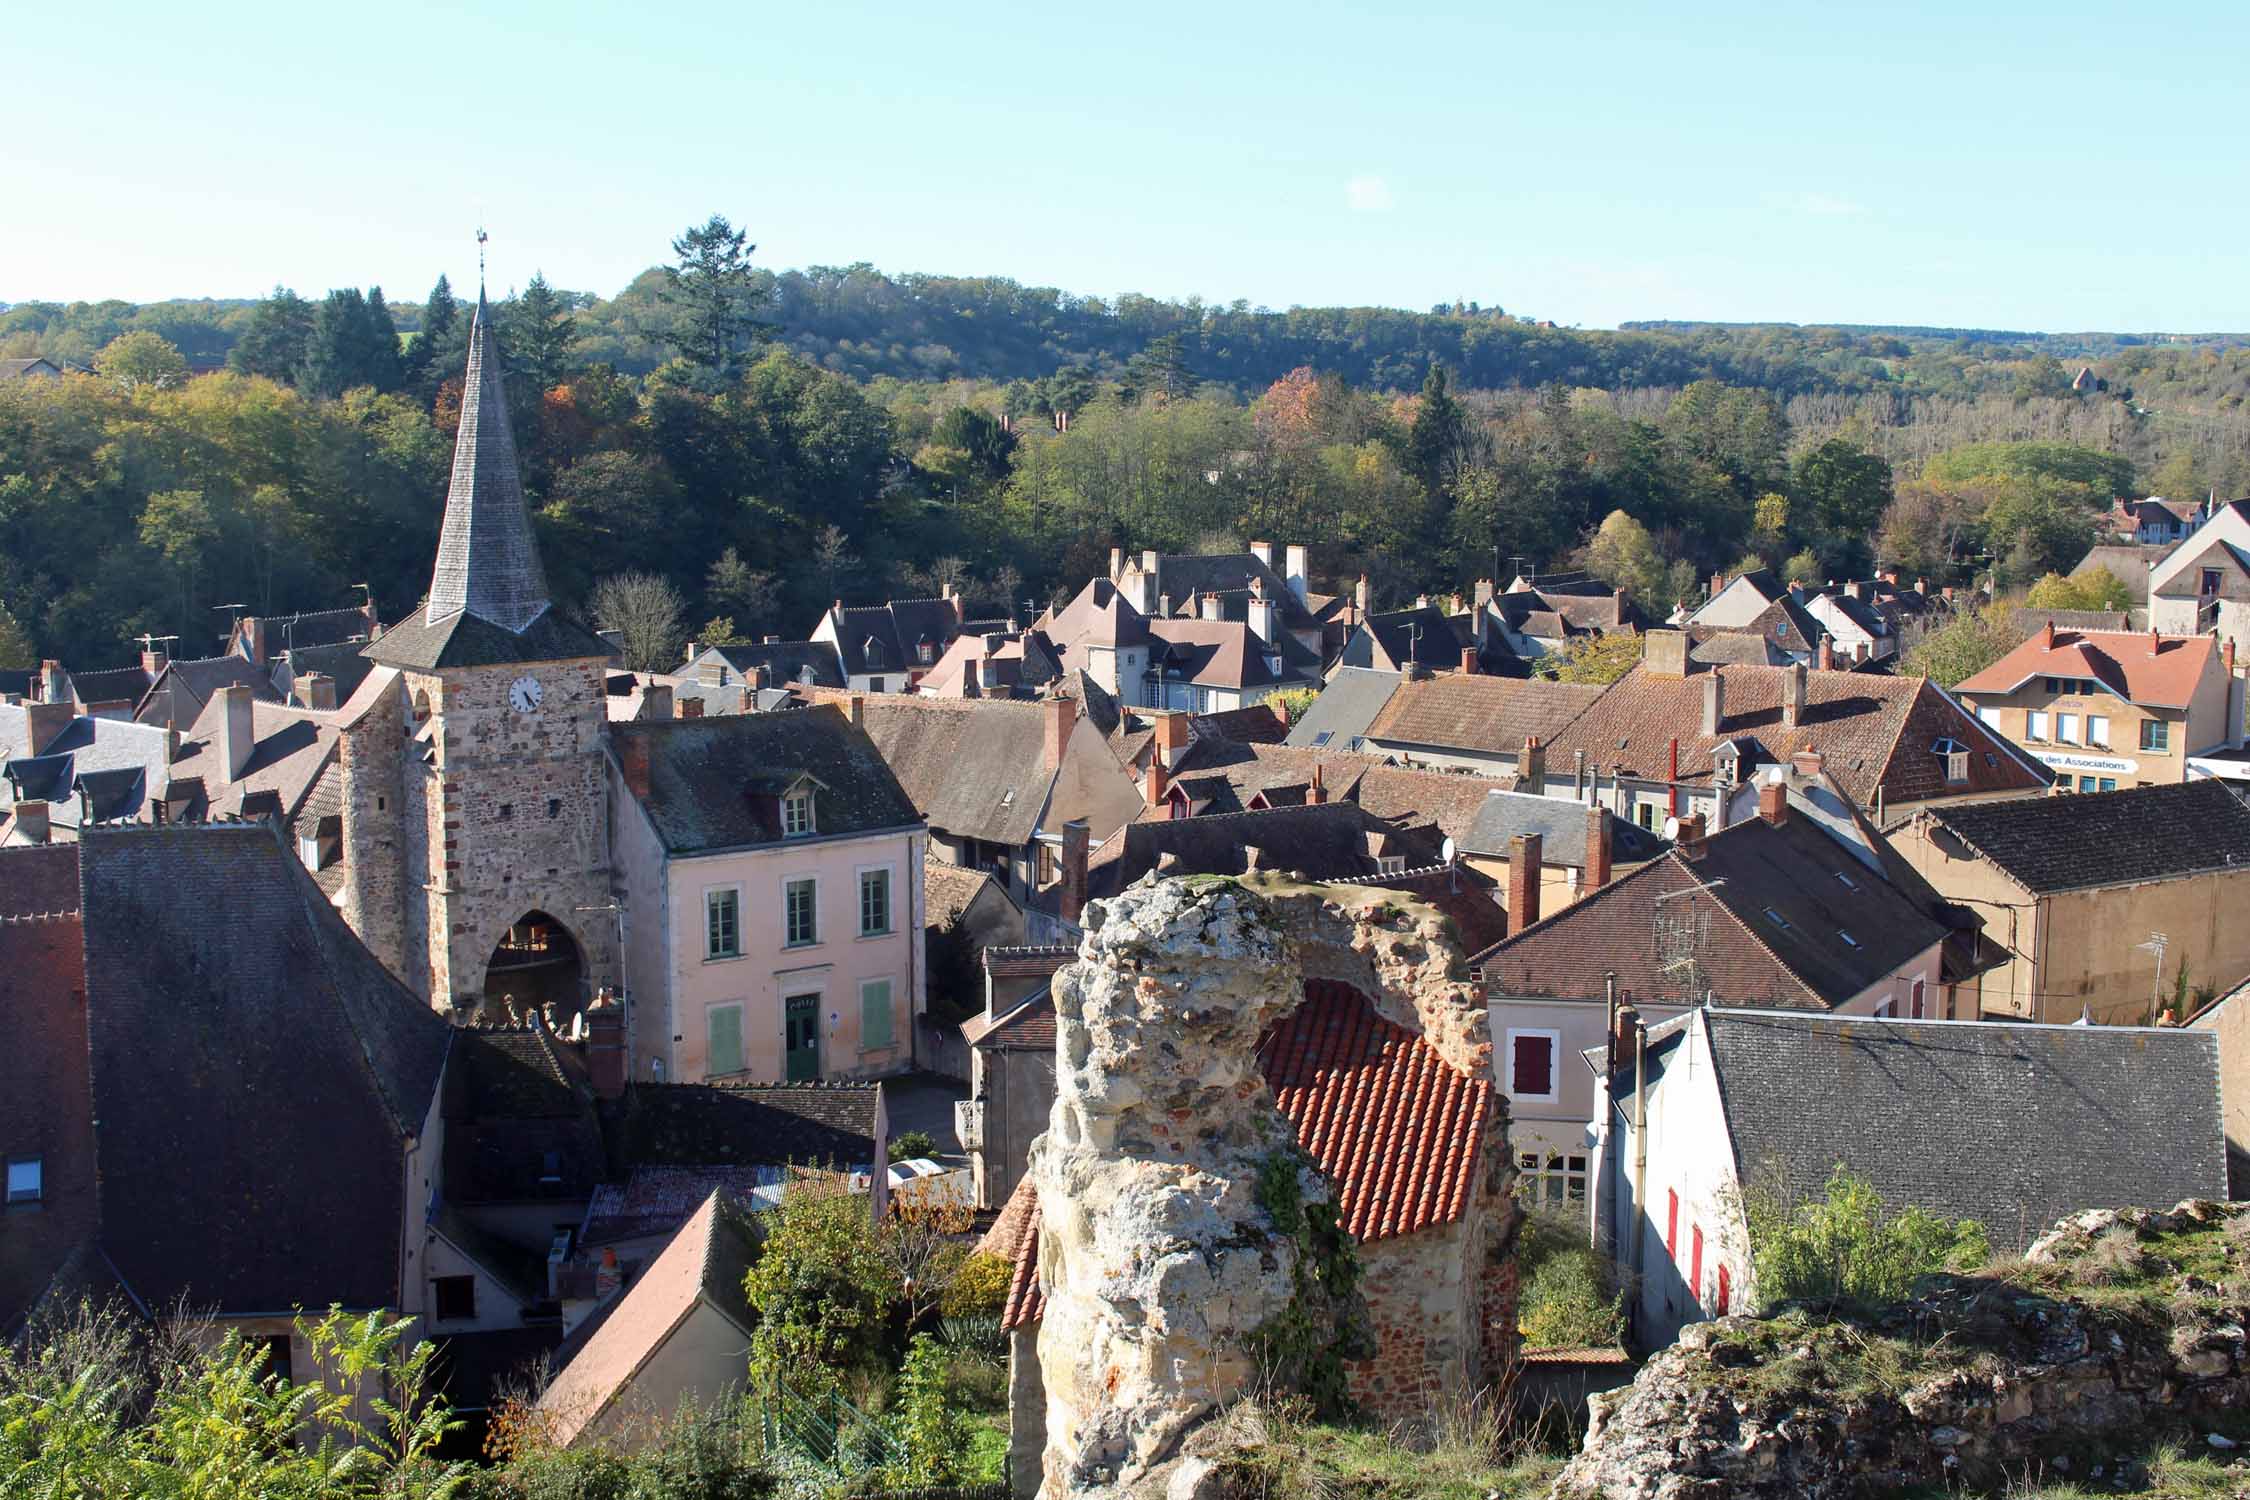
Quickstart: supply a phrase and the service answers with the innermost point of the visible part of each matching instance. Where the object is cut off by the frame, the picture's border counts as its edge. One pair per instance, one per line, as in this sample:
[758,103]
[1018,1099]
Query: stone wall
[2122,1329]
[371,760]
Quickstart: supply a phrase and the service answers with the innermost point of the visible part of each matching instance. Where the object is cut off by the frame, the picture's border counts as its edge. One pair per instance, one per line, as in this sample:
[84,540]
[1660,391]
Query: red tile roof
[1398,1131]
[2158,671]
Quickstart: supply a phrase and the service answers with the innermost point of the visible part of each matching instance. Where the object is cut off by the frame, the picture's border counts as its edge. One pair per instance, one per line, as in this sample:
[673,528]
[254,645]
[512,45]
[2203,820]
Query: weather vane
[481,238]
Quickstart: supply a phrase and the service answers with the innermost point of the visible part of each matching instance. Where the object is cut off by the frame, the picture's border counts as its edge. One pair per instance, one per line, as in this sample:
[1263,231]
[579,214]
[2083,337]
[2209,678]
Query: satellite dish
[1445,851]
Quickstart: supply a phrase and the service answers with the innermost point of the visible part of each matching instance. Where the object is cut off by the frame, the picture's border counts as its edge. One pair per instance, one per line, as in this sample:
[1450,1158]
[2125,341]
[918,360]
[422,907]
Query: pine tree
[1435,442]
[714,296]
[380,366]
[440,347]
[277,340]
[1161,369]
[541,332]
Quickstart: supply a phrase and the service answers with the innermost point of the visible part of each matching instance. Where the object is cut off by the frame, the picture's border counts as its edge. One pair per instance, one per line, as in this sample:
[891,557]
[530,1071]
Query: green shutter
[874,1015]
[725,1055]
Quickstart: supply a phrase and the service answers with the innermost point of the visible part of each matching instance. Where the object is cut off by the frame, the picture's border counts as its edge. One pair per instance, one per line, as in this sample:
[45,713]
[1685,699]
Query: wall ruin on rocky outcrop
[1182,1248]
[2122,1328]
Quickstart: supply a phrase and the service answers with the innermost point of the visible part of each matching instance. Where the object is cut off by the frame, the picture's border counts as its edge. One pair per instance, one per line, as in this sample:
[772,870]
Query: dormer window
[873,651]
[926,650]
[1956,756]
[797,814]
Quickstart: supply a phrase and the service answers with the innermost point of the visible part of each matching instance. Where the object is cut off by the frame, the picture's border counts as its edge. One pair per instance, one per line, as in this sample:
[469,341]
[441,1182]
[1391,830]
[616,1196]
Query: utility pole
[2156,944]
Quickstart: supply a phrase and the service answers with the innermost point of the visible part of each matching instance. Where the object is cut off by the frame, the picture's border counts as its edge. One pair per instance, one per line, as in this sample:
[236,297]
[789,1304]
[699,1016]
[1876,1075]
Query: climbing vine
[1304,1346]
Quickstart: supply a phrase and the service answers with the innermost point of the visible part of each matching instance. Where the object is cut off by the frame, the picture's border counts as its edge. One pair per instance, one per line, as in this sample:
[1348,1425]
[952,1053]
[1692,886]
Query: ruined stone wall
[370,761]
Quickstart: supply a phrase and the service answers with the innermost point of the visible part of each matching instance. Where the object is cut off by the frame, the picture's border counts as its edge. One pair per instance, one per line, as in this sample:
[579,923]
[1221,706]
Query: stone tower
[475,829]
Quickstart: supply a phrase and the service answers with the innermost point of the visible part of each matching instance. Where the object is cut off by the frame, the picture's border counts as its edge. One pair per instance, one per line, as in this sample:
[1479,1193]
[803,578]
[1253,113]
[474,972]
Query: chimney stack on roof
[1468,661]
[1773,802]
[2047,634]
[856,710]
[1665,653]
[1792,695]
[761,678]
[43,720]
[1264,613]
[238,735]
[656,700]
[1714,703]
[1807,764]
[1263,552]
[2226,654]
[1688,837]
[316,690]
[1531,765]
[1316,793]
[1156,786]
[1296,571]
[1171,739]
[1598,848]
[1062,716]
[1827,657]
[1718,584]
[1362,596]
[2155,641]
[691,708]
[54,687]
[1525,854]
[32,825]
[1075,836]
[1210,606]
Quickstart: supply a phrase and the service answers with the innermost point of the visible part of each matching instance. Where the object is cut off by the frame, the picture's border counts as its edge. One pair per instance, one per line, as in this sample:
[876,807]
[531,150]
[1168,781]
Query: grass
[1461,1451]
[2170,1472]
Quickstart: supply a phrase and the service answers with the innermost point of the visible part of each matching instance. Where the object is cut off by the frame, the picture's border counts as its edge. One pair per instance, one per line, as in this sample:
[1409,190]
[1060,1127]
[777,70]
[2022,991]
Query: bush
[1843,1247]
[979,1288]
[821,1287]
[1570,1298]
[911,1144]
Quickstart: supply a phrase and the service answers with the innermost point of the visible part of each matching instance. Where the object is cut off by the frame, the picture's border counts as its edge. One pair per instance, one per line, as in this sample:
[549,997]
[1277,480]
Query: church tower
[488,877]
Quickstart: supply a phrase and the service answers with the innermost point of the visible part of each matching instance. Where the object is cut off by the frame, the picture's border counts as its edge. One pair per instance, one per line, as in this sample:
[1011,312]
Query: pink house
[772,916]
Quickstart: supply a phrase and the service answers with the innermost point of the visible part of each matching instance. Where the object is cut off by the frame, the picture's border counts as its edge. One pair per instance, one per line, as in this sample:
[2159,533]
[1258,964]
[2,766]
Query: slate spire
[487,563]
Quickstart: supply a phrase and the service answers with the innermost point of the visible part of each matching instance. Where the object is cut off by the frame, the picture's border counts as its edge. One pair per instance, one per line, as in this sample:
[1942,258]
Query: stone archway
[536,962]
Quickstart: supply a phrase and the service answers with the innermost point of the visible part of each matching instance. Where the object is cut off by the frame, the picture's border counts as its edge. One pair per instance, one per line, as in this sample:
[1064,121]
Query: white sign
[2108,765]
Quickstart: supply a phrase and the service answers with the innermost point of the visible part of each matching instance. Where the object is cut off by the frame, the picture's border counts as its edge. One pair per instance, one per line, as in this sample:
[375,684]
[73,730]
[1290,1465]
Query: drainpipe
[1640,1143]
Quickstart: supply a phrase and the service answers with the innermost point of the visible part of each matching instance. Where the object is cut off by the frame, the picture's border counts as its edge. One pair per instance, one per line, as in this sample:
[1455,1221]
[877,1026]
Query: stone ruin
[1182,1251]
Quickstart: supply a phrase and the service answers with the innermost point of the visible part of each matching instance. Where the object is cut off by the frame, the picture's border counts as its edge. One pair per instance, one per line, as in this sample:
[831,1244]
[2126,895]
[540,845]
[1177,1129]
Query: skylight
[1849,883]
[1849,940]
[1777,919]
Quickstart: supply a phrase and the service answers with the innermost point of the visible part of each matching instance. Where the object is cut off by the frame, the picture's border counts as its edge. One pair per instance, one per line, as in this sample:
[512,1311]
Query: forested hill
[865,323]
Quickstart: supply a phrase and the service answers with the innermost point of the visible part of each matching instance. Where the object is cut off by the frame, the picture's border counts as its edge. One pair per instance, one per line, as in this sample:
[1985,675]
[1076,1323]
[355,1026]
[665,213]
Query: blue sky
[2054,166]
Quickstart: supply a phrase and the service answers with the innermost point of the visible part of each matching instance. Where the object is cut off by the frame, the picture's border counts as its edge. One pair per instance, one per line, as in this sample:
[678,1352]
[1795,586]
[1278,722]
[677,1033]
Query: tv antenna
[1681,935]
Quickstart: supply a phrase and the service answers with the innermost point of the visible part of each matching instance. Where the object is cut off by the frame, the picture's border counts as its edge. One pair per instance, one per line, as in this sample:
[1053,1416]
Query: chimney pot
[1468,661]
[1525,853]
[1531,765]
[1171,738]
[1827,654]
[1156,785]
[1688,836]
[857,710]
[316,690]
[1773,802]
[1317,793]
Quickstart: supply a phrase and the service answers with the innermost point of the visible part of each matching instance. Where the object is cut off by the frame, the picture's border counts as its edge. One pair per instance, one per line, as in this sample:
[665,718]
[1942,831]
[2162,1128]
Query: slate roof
[1221,776]
[708,779]
[704,1264]
[1338,718]
[1734,649]
[182,688]
[520,1125]
[1398,1132]
[2050,844]
[1421,634]
[110,685]
[1488,715]
[312,628]
[1179,575]
[1788,625]
[2066,1117]
[257,1074]
[1872,731]
[1224,654]
[719,1124]
[38,880]
[1766,928]
[1099,616]
[84,746]
[291,748]
[973,767]
[466,640]
[2157,671]
[345,662]
[788,661]
[1560,822]
[883,638]
[2029,621]
[487,562]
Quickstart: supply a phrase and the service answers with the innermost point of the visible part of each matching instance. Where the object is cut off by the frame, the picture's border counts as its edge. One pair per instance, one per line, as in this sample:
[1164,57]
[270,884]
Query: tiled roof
[1872,732]
[658,1200]
[2027,622]
[39,881]
[705,1262]
[1560,822]
[1491,715]
[709,1124]
[1398,1132]
[2075,1117]
[1735,649]
[1764,926]
[2051,844]
[949,890]
[219,979]
[1280,775]
[1325,842]
[1029,1027]
[709,779]
[1338,718]
[1258,724]
[975,768]
[2159,671]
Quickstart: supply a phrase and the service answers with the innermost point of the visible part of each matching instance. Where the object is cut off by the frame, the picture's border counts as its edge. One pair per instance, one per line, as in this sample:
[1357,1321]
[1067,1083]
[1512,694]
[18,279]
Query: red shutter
[1919,988]
[1724,1289]
[1534,1065]
[1671,1225]
[1695,1265]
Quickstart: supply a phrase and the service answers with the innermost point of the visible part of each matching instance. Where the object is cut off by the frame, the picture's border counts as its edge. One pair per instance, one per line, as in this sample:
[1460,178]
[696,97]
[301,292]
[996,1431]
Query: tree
[140,360]
[2096,590]
[1841,491]
[645,611]
[1803,567]
[440,348]
[1433,446]
[820,1286]
[833,555]
[353,343]
[1593,660]
[1961,647]
[541,332]
[1624,555]
[714,297]
[1846,1246]
[752,592]
[16,647]
[1161,370]
[277,340]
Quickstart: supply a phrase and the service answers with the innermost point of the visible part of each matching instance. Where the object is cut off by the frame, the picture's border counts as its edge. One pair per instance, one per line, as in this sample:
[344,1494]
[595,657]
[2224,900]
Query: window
[722,924]
[1989,717]
[2156,734]
[1320,740]
[1888,1010]
[2089,783]
[875,684]
[800,900]
[2109,783]
[1695,1260]
[1552,1179]
[722,1040]
[1849,940]
[1777,919]
[1046,871]
[1390,864]
[2035,725]
[796,815]
[26,1179]
[925,650]
[2053,685]
[2209,583]
[1849,883]
[2097,730]
[2066,728]
[1917,998]
[455,1296]
[554,807]
[1645,815]
[1531,1063]
[1671,1224]
[874,903]
[874,1015]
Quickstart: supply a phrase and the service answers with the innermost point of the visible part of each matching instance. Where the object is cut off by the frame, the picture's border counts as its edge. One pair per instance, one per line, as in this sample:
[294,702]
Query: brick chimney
[1773,802]
[1664,653]
[2047,634]
[44,720]
[31,821]
[1807,764]
[1468,661]
[855,709]
[632,762]
[1062,717]
[1156,785]
[761,678]
[1317,792]
[1598,846]
[1073,894]
[1531,765]
[53,687]
[1688,837]
[605,1044]
[2155,641]
[1524,854]
[1792,695]
[656,700]
[237,733]
[1827,656]
[1171,739]
[1718,584]
[153,659]
[1714,702]
[316,690]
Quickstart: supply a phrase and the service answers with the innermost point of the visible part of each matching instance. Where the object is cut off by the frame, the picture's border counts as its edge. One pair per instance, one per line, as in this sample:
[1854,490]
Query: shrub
[979,1288]
[1570,1298]
[910,1144]
[1844,1247]
[932,1437]
[821,1287]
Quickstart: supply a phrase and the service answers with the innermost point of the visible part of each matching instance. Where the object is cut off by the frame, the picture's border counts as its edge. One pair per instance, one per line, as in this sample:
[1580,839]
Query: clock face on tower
[523,694]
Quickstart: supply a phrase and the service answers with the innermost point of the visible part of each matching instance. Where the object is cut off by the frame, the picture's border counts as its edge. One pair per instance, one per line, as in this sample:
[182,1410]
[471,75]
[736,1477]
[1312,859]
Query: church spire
[487,563]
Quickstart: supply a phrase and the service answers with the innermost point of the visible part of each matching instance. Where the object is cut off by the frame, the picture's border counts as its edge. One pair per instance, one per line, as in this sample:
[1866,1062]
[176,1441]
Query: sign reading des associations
[2107,765]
